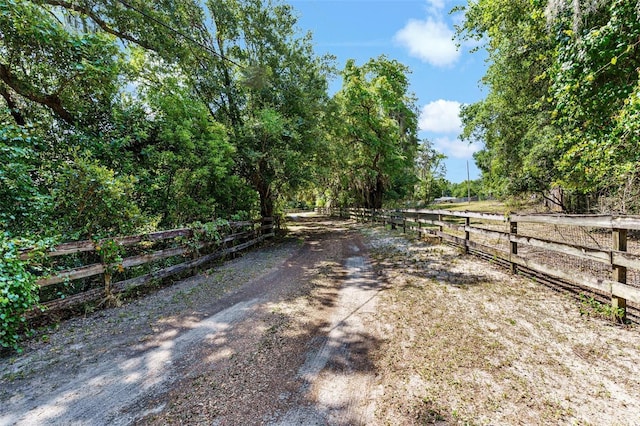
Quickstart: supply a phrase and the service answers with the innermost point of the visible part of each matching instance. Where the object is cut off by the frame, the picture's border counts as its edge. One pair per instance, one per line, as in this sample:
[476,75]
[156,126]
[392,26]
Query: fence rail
[599,254]
[145,258]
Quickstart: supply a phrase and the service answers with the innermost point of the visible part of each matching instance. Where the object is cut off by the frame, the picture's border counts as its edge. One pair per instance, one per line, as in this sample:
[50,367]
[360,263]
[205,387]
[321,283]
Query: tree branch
[51,101]
[13,107]
[99,21]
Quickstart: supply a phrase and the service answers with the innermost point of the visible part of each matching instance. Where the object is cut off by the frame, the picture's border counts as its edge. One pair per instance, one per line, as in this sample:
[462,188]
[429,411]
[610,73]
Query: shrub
[22,204]
[92,200]
[18,291]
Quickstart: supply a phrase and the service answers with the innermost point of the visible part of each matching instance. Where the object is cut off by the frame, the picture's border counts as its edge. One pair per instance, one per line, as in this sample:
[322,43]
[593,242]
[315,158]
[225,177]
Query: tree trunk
[266,200]
[376,193]
[372,195]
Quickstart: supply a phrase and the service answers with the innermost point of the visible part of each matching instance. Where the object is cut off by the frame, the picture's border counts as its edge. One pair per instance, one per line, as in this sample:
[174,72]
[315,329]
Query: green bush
[18,291]
[22,205]
[93,201]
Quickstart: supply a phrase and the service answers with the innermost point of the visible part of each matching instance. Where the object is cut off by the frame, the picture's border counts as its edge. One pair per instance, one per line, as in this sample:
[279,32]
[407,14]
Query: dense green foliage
[563,103]
[118,117]
[374,130]
[430,171]
[18,291]
[20,197]
[121,117]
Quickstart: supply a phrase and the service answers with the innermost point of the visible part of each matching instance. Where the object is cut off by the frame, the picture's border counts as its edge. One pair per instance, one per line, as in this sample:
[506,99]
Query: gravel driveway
[338,324]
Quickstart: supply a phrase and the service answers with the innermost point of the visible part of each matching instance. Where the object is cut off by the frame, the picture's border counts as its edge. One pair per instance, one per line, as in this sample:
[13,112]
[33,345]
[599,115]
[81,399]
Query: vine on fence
[18,288]
[25,267]
[205,233]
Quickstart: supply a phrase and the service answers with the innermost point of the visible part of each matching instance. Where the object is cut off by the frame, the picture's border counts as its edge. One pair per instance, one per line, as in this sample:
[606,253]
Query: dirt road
[340,324]
[144,361]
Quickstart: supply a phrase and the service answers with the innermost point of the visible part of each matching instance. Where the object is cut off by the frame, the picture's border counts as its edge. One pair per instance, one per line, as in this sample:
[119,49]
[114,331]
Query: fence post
[619,237]
[513,230]
[440,228]
[419,226]
[467,224]
[404,222]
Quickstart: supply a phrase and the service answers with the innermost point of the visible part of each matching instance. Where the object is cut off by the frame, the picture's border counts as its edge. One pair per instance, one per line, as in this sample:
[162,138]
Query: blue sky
[419,34]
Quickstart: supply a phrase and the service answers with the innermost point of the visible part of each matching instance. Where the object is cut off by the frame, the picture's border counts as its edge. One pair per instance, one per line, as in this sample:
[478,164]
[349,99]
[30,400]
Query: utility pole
[468,185]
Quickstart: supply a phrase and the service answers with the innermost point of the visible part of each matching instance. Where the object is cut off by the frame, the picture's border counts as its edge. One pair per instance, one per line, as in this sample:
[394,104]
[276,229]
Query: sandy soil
[339,324]
[468,343]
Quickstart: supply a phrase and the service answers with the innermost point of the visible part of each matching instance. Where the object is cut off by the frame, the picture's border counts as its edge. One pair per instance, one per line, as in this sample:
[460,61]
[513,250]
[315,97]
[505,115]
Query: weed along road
[337,324]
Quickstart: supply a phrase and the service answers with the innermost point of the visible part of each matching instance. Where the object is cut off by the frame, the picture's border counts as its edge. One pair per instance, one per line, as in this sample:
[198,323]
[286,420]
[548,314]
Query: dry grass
[489,206]
[466,343]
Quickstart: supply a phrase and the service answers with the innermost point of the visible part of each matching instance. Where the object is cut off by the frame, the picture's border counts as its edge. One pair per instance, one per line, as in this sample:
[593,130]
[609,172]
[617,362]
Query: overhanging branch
[99,21]
[53,101]
[13,107]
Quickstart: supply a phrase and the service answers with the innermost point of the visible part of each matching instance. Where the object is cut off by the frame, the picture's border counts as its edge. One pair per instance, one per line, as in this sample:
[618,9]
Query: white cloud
[430,41]
[456,148]
[436,5]
[441,117]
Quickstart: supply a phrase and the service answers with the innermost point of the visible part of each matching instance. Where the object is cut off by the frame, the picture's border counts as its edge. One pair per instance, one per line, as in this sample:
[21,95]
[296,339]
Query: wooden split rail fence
[146,258]
[599,254]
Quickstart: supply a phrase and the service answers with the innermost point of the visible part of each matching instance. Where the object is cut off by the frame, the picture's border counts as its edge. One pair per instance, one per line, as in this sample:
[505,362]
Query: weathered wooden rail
[146,258]
[588,252]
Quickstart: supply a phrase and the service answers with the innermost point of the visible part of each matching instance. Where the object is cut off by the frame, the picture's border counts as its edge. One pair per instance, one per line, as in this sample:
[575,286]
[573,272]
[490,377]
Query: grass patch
[489,206]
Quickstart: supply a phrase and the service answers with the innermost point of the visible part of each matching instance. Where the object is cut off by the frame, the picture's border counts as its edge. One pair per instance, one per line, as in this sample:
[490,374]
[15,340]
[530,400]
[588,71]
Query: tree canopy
[124,115]
[375,133]
[562,107]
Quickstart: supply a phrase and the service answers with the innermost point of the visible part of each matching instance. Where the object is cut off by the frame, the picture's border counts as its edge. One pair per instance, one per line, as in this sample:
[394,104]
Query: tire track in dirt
[97,394]
[335,380]
[324,377]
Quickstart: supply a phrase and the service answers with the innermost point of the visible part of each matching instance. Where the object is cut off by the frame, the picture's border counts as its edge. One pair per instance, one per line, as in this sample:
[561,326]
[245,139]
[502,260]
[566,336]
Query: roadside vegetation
[563,103]
[128,117]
